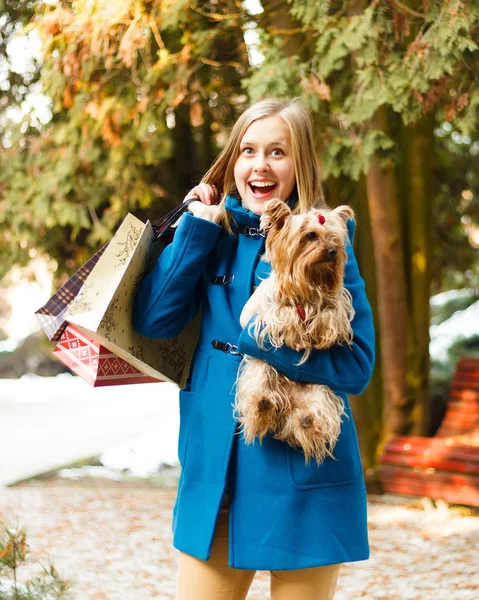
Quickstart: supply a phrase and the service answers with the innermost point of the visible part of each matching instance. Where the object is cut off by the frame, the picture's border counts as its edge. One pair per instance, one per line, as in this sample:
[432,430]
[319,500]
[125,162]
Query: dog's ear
[275,215]
[345,212]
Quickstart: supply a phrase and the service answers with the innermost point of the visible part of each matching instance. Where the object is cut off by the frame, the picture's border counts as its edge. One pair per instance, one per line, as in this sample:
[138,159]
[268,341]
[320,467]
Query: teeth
[261,184]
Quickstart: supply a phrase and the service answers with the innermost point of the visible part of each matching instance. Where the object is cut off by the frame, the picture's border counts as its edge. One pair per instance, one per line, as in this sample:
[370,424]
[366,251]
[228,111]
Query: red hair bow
[321,219]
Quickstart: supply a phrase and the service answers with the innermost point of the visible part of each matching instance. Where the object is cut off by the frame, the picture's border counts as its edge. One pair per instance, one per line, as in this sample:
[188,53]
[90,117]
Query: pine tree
[13,555]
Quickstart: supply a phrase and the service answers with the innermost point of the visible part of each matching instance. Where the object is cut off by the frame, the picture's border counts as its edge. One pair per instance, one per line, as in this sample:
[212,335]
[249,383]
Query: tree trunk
[392,298]
[184,153]
[367,407]
[416,175]
[277,19]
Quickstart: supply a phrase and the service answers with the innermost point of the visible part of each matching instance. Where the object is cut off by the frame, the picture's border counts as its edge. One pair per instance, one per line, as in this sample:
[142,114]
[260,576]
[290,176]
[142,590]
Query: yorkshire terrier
[304,305]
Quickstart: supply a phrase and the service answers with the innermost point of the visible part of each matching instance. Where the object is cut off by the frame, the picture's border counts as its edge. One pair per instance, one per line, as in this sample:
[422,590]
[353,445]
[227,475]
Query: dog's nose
[332,253]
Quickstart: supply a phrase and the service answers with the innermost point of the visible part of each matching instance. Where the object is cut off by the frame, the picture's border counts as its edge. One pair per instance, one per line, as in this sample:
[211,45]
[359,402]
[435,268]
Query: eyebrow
[278,143]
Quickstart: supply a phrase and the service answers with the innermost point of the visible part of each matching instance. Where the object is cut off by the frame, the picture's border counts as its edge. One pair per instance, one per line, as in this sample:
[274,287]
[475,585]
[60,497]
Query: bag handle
[166,221]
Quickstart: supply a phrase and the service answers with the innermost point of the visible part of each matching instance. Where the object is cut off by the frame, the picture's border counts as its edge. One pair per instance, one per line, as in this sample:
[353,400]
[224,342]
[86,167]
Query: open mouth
[262,190]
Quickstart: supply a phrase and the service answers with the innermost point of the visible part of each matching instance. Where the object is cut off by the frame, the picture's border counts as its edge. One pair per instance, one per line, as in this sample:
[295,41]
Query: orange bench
[445,466]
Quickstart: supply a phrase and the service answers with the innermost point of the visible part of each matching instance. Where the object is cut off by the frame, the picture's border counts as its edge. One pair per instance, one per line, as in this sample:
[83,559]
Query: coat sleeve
[169,297]
[342,368]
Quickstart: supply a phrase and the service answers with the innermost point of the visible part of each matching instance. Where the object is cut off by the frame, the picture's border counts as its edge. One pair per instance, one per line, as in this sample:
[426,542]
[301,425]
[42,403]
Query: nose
[261,163]
[332,253]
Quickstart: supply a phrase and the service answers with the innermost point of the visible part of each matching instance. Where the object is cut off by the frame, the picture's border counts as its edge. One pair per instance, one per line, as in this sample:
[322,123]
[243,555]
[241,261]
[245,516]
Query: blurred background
[115,107]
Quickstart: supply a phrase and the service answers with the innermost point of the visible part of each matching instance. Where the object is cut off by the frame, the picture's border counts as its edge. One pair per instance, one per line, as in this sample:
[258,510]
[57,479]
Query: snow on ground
[54,421]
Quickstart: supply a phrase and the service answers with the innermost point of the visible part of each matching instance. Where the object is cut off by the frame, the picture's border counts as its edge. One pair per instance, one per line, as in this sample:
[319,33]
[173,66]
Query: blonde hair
[305,164]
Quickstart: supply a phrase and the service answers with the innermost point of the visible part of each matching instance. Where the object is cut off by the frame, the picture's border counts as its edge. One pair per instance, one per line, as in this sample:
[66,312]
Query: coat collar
[241,215]
[244,216]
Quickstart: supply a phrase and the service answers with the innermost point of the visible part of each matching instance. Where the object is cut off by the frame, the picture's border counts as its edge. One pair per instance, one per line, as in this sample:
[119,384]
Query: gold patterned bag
[103,308]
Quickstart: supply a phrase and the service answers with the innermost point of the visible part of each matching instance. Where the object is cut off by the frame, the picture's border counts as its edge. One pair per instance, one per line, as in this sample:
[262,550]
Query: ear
[275,214]
[345,212]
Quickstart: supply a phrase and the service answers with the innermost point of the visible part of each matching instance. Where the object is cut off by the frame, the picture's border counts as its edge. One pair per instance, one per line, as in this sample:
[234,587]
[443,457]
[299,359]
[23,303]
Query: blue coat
[283,513]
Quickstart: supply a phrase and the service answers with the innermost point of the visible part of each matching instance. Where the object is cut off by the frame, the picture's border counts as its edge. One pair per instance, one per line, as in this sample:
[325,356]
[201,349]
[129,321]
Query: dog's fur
[307,258]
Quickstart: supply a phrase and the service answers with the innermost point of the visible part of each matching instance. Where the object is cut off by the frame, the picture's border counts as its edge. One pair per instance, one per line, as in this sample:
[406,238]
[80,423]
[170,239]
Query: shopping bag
[103,307]
[98,366]
[50,315]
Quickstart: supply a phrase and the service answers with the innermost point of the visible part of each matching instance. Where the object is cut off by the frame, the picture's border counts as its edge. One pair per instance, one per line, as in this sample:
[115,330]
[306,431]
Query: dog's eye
[311,235]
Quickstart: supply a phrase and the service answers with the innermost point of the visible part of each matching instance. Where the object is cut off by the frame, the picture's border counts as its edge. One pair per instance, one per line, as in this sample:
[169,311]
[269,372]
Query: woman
[242,508]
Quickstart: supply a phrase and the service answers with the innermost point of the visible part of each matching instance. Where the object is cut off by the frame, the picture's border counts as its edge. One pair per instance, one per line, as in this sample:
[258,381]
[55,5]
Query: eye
[311,236]
[277,152]
[247,150]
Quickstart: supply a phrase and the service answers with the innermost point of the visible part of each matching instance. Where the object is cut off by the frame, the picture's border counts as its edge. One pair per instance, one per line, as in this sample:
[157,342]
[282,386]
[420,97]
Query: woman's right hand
[206,207]
[255,302]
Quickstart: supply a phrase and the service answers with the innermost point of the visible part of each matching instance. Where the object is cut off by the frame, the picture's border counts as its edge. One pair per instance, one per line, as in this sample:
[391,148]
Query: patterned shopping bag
[98,366]
[50,315]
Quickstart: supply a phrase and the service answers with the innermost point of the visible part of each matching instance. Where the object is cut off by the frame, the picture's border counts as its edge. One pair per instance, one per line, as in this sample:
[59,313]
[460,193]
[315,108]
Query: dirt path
[115,544]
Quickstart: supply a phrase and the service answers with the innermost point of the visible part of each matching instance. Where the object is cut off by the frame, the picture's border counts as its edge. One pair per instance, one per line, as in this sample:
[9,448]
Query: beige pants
[214,580]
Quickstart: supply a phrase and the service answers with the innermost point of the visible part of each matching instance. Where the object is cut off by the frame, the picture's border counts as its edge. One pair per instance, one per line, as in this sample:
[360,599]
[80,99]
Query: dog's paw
[264,405]
[259,416]
[308,431]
